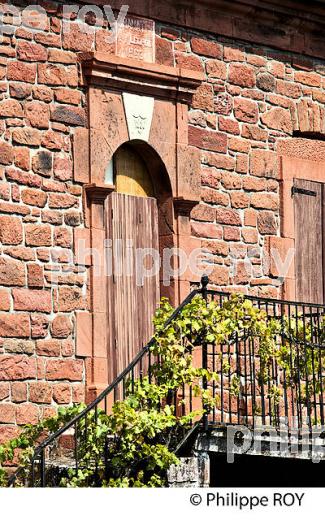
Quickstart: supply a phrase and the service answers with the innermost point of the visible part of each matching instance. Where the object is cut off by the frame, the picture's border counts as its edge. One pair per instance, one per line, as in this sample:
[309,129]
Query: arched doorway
[134,215]
[173,164]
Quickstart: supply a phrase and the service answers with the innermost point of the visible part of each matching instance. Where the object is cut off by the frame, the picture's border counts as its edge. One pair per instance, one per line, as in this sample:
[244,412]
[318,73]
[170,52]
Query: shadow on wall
[255,471]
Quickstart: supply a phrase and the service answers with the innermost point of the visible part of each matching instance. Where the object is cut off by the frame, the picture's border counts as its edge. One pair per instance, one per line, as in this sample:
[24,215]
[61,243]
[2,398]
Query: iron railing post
[204,290]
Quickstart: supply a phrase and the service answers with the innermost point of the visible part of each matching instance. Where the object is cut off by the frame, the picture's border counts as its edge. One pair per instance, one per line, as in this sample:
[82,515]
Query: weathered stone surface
[242,75]
[20,71]
[39,324]
[27,136]
[189,62]
[266,82]
[61,326]
[57,75]
[11,230]
[7,413]
[246,110]
[4,300]
[18,392]
[17,367]
[70,299]
[164,52]
[28,51]
[40,393]
[34,197]
[20,90]
[19,346]
[10,108]
[266,223]
[43,93]
[278,119]
[223,104]
[78,393]
[38,114]
[42,163]
[32,300]
[228,216]
[62,393]
[288,88]
[6,153]
[263,163]
[207,140]
[69,115]
[58,200]
[62,168]
[204,97]
[265,201]
[216,69]
[219,275]
[64,370]
[27,414]
[22,157]
[78,40]
[207,48]
[228,125]
[4,391]
[203,213]
[48,347]
[38,235]
[35,275]
[12,272]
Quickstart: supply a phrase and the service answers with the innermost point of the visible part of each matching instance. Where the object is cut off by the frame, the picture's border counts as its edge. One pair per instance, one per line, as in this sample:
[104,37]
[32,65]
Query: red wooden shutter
[132,224]
[309,257]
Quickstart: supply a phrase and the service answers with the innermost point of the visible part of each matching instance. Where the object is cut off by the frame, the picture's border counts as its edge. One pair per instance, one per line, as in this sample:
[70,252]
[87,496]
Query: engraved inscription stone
[136,39]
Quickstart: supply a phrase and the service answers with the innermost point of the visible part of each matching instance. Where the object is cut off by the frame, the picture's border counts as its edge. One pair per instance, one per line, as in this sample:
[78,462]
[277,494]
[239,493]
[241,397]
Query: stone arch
[163,193]
[154,163]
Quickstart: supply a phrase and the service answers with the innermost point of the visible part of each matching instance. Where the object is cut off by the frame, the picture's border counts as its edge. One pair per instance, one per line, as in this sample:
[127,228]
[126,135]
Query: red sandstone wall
[251,98]
[40,206]
[241,117]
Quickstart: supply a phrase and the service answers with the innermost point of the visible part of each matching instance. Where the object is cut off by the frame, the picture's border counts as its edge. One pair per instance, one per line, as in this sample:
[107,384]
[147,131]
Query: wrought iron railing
[50,454]
[289,390]
[242,397]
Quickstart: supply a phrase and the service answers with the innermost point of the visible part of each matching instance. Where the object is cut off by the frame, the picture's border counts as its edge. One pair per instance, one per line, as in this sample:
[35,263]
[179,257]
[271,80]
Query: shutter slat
[308,241]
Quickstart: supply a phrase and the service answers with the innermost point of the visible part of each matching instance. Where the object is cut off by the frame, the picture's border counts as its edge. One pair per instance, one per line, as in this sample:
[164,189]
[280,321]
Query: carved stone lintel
[184,207]
[98,193]
[149,79]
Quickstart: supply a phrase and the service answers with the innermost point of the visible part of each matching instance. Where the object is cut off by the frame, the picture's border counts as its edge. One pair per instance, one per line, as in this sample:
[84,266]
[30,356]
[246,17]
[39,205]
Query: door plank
[131,306]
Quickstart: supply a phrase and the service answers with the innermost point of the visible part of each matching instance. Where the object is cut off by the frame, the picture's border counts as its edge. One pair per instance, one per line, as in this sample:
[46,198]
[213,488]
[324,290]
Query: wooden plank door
[132,225]
[309,241]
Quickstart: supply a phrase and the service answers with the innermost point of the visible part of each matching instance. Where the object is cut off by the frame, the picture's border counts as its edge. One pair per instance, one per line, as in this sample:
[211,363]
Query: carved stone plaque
[139,112]
[136,39]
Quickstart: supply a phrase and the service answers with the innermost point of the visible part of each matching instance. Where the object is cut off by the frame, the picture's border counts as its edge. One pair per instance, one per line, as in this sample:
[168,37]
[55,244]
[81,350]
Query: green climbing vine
[141,432]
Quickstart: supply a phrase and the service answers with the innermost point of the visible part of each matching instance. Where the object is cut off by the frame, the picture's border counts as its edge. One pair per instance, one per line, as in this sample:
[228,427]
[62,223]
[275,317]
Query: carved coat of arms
[139,123]
[138,112]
